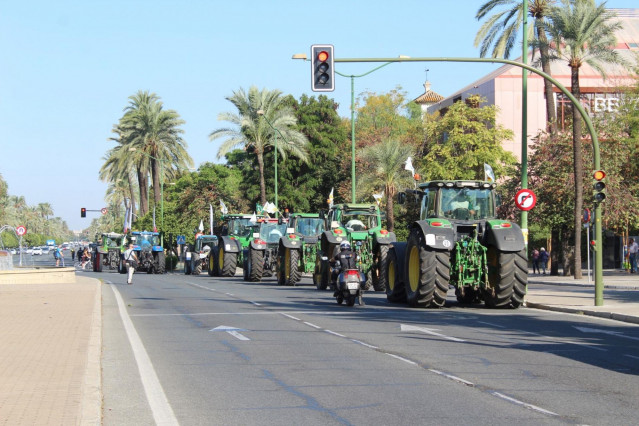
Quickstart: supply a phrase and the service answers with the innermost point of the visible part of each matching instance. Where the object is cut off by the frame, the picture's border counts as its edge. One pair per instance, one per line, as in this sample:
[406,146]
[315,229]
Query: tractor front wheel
[507,278]
[427,273]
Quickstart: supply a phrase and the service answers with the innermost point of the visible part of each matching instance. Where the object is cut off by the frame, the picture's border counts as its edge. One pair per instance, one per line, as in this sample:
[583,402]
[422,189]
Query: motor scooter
[349,286]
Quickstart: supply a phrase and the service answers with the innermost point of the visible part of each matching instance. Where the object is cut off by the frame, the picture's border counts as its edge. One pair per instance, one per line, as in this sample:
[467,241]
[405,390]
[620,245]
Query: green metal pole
[575,103]
[275,170]
[162,200]
[524,119]
[353,138]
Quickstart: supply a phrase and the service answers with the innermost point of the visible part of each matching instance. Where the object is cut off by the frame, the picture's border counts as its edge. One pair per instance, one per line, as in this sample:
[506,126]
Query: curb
[608,315]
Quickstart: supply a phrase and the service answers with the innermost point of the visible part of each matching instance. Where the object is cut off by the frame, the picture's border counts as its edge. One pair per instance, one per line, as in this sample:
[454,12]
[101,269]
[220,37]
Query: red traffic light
[323,56]
[83,212]
[599,174]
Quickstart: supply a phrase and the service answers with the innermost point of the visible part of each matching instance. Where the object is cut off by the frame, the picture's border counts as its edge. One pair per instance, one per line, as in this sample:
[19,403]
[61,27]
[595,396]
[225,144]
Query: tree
[252,131]
[387,160]
[460,142]
[500,31]
[582,32]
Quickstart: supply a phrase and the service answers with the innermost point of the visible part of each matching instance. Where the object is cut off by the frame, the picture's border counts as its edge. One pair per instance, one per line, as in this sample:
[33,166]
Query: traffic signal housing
[322,69]
[599,186]
[83,212]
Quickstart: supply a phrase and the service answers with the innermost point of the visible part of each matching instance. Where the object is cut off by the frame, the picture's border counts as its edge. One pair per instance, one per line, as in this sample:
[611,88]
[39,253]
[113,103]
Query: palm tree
[153,138]
[253,132]
[119,170]
[500,31]
[582,32]
[386,165]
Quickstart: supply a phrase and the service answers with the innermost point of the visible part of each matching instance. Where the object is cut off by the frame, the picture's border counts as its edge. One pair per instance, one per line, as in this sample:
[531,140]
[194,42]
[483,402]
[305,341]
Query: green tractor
[361,226]
[298,248]
[109,253]
[196,258]
[458,241]
[260,257]
[234,237]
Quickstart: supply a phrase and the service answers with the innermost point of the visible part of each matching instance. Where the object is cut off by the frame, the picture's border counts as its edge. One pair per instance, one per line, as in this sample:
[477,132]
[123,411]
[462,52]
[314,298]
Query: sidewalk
[50,353]
[566,294]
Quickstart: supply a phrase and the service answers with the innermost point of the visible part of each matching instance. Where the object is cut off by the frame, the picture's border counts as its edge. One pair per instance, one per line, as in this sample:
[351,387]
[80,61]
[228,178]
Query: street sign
[103,210]
[525,199]
[21,230]
[181,239]
[586,216]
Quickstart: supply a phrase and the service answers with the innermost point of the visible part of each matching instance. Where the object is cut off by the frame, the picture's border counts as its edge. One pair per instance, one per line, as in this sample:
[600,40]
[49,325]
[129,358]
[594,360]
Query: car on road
[45,249]
[36,250]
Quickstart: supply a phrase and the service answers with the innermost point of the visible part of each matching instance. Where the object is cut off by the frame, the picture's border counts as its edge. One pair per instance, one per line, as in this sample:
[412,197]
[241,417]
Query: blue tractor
[149,250]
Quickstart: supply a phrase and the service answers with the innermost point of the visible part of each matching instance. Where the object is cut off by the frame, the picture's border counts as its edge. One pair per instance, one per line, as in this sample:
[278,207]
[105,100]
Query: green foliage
[462,140]
[170,262]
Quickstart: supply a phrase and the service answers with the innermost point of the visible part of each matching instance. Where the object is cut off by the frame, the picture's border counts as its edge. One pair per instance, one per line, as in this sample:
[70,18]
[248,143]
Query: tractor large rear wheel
[288,272]
[379,277]
[394,273]
[160,267]
[256,262]
[507,278]
[227,263]
[210,260]
[320,275]
[197,267]
[427,273]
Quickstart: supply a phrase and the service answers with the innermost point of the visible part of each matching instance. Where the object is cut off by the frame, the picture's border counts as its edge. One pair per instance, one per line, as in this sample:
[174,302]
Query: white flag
[211,217]
[126,219]
[378,197]
[223,208]
[270,208]
[201,227]
[330,198]
[253,218]
[409,166]
[489,175]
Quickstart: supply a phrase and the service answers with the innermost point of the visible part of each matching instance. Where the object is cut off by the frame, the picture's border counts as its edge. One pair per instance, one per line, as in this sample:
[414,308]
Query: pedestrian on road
[57,254]
[83,257]
[72,254]
[131,260]
[543,259]
[535,261]
[633,249]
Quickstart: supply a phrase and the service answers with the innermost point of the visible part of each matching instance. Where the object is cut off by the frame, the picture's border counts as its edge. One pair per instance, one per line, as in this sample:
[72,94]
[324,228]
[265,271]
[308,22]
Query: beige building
[503,88]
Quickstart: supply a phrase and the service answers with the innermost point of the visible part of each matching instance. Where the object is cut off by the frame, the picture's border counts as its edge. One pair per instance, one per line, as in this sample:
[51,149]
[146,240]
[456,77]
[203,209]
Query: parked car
[45,249]
[36,250]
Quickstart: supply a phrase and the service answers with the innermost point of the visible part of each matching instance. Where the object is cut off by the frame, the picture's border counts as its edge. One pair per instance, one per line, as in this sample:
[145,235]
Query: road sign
[586,216]
[103,210]
[181,239]
[525,199]
[21,230]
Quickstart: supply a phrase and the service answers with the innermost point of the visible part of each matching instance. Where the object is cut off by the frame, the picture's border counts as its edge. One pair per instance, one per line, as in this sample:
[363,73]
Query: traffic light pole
[576,104]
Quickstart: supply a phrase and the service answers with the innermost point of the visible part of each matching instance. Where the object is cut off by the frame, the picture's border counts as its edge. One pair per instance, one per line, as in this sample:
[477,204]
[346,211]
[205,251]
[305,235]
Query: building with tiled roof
[428,98]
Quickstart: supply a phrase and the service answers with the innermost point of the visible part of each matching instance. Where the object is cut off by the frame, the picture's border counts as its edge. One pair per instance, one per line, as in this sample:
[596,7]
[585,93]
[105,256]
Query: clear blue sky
[68,67]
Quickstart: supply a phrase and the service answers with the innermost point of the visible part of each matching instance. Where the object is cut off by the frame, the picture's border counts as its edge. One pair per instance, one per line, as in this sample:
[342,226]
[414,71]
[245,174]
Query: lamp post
[261,113]
[133,149]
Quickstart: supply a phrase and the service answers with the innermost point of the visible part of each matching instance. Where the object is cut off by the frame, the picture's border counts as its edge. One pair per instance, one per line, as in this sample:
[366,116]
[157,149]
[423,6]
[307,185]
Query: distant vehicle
[36,250]
[45,249]
[13,251]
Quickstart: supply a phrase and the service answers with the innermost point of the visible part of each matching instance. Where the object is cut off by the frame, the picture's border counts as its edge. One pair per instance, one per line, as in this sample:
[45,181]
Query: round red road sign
[525,199]
[103,210]
[21,230]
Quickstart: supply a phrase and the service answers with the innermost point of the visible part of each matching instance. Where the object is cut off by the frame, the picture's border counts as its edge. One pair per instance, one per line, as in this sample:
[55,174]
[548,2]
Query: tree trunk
[390,216]
[132,201]
[260,163]
[554,250]
[144,192]
[156,170]
[579,171]
[551,111]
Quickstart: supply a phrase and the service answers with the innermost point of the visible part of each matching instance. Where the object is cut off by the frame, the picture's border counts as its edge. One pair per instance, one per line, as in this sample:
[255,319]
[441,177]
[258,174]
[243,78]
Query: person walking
[535,261]
[72,254]
[543,259]
[57,254]
[131,260]
[633,250]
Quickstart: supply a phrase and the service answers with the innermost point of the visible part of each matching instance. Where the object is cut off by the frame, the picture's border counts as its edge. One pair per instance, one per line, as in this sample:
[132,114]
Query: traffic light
[322,70]
[83,212]
[599,186]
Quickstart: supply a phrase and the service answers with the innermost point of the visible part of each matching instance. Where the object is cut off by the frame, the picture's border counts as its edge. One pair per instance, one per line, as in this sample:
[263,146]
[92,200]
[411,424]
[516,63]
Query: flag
[211,217]
[223,208]
[270,208]
[126,219]
[330,198]
[489,175]
[378,197]
[253,218]
[259,208]
[201,227]
[155,229]
[409,166]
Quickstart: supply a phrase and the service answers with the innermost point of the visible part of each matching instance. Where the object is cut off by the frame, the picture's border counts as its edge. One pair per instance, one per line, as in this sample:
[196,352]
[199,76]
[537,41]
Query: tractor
[109,253]
[361,226]
[260,257]
[298,247]
[149,251]
[196,258]
[458,241]
[233,238]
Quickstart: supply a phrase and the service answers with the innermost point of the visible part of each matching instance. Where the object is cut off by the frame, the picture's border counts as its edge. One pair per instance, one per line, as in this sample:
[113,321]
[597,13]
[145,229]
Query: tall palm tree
[119,169]
[500,31]
[582,32]
[153,138]
[252,131]
[386,162]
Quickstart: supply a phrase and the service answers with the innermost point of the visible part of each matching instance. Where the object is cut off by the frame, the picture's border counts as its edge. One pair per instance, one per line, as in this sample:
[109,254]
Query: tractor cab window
[154,240]
[428,205]
[466,203]
[359,221]
[241,226]
[271,232]
[310,226]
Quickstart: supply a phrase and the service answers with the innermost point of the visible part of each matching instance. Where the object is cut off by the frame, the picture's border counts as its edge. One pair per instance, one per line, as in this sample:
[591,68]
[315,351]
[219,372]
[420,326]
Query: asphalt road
[197,350]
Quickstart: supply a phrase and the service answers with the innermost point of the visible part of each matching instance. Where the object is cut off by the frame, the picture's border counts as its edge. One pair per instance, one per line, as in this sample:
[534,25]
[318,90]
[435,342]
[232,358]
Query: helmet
[345,245]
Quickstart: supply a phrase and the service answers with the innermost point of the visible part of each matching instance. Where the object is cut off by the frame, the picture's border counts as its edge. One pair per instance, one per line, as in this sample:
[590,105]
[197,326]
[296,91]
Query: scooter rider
[346,259]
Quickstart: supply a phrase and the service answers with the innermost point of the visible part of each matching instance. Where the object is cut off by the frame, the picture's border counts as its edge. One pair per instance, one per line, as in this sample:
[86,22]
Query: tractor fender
[385,239]
[230,245]
[332,238]
[399,249]
[256,246]
[440,237]
[504,236]
[290,243]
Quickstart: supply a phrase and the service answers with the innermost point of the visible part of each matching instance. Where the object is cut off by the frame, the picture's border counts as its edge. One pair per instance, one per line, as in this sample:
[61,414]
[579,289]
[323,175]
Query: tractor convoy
[457,242]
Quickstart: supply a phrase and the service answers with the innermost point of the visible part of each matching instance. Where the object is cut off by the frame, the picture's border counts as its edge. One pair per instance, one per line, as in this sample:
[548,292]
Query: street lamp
[261,113]
[132,149]
[353,77]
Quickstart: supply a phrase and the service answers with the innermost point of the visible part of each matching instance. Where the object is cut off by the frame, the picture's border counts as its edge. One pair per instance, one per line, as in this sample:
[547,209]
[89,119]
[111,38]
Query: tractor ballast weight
[298,247]
[151,258]
[458,241]
[196,258]
[361,226]
[109,253]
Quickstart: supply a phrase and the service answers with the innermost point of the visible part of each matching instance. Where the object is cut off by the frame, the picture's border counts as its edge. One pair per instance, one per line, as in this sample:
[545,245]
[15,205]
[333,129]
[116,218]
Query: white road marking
[256,304]
[334,333]
[491,324]
[160,407]
[405,327]
[408,361]
[364,344]
[312,325]
[291,317]
[632,356]
[518,402]
[611,333]
[451,377]
[233,331]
